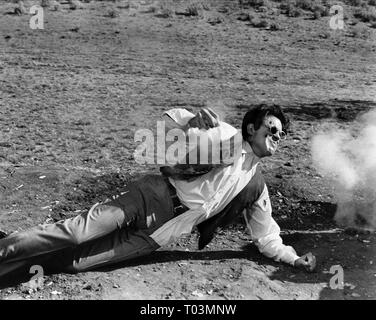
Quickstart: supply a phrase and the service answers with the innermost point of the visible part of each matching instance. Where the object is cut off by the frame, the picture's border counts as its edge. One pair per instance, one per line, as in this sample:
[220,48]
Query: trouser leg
[245,198]
[116,247]
[99,221]
[144,205]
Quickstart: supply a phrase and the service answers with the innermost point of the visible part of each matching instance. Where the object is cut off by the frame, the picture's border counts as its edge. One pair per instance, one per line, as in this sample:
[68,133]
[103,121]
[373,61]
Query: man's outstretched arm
[265,233]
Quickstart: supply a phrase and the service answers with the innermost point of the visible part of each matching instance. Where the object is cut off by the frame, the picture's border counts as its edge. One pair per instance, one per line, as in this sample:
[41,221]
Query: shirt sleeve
[178,115]
[220,145]
[265,232]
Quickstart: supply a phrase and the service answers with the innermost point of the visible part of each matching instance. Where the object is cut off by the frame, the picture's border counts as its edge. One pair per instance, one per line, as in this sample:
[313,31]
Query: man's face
[266,139]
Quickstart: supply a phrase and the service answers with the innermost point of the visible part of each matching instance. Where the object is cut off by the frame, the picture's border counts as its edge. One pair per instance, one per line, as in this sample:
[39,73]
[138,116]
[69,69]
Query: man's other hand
[204,119]
[307,262]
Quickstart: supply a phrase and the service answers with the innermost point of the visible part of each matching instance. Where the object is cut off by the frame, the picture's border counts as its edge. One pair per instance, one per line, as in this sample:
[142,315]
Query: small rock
[243,17]
[355,295]
[88,287]
[55,292]
[197,294]
[5,144]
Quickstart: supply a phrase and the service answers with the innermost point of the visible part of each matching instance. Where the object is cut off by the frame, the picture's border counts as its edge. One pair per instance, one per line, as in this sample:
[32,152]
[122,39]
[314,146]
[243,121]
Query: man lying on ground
[156,209]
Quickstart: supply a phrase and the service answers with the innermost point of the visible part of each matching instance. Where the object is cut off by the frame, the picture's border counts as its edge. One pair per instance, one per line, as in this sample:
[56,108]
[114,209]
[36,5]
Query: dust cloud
[349,159]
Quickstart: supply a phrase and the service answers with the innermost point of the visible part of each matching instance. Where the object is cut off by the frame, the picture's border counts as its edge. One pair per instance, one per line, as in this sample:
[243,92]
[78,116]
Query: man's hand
[307,262]
[204,119]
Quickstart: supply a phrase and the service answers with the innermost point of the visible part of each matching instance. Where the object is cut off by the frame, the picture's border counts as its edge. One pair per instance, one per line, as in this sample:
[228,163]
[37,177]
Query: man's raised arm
[207,142]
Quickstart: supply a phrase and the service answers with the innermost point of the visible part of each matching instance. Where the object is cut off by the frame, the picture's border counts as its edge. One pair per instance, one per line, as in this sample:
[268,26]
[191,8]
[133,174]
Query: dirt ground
[73,94]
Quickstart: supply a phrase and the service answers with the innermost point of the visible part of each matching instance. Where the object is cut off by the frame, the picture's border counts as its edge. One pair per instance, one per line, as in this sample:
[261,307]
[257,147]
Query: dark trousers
[111,232]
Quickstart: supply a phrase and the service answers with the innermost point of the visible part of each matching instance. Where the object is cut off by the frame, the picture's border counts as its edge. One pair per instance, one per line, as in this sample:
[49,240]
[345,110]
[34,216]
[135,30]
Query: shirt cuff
[289,256]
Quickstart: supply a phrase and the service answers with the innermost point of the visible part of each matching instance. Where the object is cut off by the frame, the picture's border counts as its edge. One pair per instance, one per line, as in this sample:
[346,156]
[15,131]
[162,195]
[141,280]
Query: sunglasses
[274,130]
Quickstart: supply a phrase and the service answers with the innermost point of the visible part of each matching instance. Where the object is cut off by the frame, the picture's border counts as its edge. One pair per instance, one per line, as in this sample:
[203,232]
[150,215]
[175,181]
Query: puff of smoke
[350,161]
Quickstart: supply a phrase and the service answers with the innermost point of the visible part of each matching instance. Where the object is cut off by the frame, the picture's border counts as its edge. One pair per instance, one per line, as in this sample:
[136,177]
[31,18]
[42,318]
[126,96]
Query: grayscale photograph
[203,151]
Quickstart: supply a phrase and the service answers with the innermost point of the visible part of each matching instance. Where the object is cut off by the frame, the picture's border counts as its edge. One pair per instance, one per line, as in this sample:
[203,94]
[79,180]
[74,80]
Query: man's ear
[250,129]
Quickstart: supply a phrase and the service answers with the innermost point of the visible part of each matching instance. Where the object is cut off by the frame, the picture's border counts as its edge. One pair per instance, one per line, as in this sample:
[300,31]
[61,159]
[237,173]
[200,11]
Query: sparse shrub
[215,20]
[274,26]
[21,7]
[151,9]
[262,9]
[45,3]
[164,13]
[251,3]
[373,25]
[259,23]
[192,10]
[355,3]
[205,6]
[320,11]
[54,5]
[307,5]
[295,12]
[290,9]
[263,24]
[123,5]
[325,35]
[75,4]
[243,16]
[287,6]
[112,13]
[316,15]
[360,31]
[372,2]
[366,15]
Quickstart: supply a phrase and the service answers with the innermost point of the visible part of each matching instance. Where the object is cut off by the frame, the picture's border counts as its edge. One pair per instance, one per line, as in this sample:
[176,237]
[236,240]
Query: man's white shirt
[209,194]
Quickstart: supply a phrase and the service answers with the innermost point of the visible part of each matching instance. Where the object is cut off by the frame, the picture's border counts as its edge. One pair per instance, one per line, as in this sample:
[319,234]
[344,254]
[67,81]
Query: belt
[178,207]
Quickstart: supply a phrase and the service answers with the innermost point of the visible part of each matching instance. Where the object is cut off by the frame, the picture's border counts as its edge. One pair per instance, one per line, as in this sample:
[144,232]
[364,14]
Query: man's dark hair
[257,114]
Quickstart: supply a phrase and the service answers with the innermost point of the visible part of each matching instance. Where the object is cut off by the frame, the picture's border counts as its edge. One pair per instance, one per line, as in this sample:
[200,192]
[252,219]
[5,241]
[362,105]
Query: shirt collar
[247,149]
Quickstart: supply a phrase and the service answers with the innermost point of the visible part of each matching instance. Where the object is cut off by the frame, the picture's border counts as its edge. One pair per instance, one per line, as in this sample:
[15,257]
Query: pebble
[197,294]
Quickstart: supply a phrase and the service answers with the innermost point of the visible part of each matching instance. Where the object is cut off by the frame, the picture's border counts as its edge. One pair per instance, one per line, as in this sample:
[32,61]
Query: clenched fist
[204,119]
[307,262]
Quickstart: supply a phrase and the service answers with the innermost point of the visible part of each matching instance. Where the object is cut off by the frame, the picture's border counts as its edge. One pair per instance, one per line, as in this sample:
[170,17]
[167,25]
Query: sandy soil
[73,95]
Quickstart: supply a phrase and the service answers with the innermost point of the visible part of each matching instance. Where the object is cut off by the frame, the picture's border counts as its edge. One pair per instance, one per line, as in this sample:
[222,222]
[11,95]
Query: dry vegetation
[74,94]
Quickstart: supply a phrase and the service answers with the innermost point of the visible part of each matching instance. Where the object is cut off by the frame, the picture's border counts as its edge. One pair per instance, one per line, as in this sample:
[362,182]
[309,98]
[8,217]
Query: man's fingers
[210,118]
[311,263]
[216,116]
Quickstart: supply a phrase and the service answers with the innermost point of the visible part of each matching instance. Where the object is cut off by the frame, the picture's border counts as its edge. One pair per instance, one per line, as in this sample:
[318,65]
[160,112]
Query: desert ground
[73,94]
